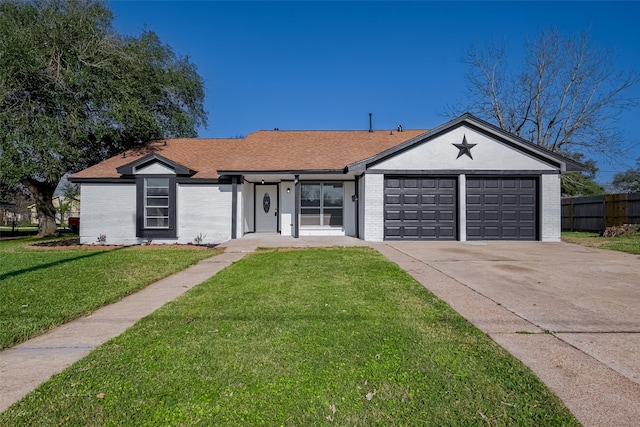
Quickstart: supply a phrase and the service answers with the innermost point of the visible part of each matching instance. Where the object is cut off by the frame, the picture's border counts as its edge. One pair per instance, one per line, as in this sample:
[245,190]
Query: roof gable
[137,166]
[491,148]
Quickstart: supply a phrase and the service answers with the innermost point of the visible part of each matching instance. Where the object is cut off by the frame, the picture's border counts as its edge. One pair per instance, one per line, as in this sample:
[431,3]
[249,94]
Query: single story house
[465,180]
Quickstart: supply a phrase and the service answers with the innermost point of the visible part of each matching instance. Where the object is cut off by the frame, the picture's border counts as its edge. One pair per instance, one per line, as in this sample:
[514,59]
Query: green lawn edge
[43,288]
[629,243]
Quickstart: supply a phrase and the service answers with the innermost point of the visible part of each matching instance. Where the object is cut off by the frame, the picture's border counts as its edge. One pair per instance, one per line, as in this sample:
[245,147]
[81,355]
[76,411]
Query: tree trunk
[42,193]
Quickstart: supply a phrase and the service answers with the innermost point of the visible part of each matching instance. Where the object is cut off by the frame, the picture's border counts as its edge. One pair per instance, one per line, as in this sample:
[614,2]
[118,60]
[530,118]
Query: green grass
[298,338]
[629,243]
[18,232]
[43,288]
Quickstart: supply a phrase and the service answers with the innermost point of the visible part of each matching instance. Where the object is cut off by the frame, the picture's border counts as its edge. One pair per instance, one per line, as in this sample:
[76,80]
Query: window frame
[321,208]
[154,232]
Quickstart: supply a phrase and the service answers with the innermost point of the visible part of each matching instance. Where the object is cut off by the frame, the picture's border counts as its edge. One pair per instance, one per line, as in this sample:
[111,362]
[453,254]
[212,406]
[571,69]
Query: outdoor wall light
[288,190]
[262,182]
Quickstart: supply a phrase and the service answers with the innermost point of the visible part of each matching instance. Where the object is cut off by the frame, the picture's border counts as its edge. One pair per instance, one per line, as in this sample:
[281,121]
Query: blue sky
[327,65]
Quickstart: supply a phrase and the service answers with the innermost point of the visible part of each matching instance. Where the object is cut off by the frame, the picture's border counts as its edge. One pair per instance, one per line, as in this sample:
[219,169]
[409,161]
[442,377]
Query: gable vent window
[156,203]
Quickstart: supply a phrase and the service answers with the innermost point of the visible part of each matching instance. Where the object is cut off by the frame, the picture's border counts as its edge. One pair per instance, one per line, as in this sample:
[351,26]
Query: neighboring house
[465,180]
[64,209]
[9,214]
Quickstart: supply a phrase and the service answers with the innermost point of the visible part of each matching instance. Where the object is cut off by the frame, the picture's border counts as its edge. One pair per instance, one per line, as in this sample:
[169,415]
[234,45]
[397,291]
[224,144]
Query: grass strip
[629,243]
[43,288]
[298,337]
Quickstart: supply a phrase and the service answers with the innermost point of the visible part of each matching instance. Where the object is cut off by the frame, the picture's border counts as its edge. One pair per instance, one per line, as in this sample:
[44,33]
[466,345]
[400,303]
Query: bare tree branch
[565,95]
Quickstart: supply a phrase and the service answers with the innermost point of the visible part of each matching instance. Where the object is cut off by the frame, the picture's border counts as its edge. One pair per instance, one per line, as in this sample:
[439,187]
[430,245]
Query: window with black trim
[156,206]
[321,204]
[156,203]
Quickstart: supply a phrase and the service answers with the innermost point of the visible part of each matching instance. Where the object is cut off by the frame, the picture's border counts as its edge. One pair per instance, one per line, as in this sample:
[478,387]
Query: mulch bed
[74,243]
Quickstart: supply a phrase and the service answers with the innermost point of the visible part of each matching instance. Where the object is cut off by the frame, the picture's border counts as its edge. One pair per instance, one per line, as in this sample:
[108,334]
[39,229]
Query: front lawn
[298,338]
[629,243]
[43,288]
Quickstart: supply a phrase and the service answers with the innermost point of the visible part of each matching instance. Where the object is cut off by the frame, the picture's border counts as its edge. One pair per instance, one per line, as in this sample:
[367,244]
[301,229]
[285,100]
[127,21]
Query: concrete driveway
[570,313]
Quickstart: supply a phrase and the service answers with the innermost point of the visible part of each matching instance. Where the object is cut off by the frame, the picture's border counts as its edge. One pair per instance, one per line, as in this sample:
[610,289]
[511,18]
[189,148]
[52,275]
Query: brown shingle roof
[262,151]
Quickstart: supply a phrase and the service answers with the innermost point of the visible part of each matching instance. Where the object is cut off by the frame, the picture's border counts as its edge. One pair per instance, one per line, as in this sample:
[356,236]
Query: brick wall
[550,216]
[374,207]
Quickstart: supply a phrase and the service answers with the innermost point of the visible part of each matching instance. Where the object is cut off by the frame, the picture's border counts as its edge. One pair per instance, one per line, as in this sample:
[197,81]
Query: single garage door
[502,209]
[420,208]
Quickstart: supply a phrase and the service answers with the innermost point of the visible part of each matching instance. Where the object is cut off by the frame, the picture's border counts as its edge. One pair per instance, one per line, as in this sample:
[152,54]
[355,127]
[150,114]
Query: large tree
[581,183]
[627,181]
[564,94]
[74,92]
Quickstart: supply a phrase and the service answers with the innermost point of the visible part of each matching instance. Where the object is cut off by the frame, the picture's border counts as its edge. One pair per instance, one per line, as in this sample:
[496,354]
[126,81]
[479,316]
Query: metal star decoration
[465,147]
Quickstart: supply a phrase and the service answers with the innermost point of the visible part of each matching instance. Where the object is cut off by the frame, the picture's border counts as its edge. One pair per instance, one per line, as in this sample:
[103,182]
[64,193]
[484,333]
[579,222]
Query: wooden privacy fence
[595,213]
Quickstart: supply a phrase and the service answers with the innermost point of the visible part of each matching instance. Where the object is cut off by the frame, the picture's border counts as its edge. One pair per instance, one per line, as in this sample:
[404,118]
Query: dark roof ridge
[338,130]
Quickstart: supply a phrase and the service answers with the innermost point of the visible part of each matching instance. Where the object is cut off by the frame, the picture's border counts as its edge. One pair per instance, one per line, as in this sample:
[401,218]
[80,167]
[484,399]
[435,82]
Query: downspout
[234,206]
[357,200]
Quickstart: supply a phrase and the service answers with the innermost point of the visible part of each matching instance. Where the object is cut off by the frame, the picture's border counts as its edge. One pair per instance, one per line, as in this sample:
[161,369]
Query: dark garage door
[420,208]
[502,209]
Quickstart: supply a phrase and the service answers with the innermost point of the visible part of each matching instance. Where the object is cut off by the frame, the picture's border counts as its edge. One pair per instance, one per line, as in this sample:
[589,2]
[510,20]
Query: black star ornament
[465,147]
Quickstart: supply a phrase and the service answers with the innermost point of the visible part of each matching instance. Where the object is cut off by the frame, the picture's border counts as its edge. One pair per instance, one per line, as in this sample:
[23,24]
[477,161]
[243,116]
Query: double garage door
[426,208]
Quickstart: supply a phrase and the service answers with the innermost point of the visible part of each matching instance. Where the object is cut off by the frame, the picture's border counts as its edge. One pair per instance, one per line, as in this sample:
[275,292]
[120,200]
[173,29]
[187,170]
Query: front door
[266,208]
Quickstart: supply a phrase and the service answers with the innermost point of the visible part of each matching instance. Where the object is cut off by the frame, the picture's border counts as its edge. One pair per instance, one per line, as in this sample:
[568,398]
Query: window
[156,203]
[321,204]
[156,217]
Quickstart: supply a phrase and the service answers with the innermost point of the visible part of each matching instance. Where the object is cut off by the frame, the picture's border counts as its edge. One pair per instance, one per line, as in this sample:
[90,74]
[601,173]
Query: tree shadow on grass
[53,264]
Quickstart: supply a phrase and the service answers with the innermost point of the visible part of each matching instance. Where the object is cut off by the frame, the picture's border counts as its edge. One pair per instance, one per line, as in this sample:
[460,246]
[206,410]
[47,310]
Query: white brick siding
[108,209]
[206,210]
[374,207]
[550,210]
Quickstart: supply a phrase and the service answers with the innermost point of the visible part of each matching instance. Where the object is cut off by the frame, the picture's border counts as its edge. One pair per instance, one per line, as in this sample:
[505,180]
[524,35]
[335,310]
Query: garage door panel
[410,232]
[527,200]
[491,216]
[491,199]
[446,200]
[411,216]
[473,216]
[501,208]
[392,199]
[509,216]
[390,215]
[410,199]
[449,183]
[420,208]
[428,183]
[529,216]
[428,199]
[446,216]
[447,232]
[429,215]
[528,232]
[392,232]
[392,183]
[528,184]
[473,199]
[509,233]
[510,199]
